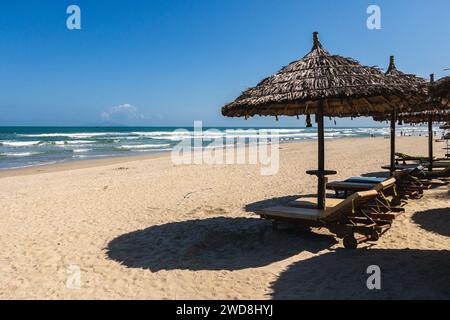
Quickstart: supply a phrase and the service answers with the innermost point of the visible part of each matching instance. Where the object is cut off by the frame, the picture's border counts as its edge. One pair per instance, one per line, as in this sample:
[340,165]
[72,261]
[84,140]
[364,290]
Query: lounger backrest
[405,156]
[400,174]
[445,171]
[352,202]
[385,184]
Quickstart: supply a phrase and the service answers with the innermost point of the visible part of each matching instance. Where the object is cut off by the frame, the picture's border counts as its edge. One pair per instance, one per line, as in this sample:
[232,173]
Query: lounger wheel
[350,242]
[375,236]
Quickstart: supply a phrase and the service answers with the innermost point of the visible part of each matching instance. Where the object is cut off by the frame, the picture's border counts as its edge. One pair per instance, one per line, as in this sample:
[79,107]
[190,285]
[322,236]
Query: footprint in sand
[208,210]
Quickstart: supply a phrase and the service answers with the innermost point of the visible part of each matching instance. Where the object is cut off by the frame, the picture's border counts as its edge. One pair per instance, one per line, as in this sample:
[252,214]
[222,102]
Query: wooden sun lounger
[419,179]
[437,162]
[354,219]
[405,157]
[351,185]
[436,174]
[407,186]
[403,166]
[441,163]
[385,187]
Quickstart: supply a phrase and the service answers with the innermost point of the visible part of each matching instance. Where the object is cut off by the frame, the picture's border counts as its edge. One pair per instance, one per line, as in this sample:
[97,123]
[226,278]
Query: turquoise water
[31,146]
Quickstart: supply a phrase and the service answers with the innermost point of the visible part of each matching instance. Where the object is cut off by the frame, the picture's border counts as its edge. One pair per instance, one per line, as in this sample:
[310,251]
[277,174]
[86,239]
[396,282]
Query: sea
[32,146]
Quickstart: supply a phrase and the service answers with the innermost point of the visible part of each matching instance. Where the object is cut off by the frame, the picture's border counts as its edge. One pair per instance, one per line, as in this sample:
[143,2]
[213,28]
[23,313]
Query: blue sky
[170,62]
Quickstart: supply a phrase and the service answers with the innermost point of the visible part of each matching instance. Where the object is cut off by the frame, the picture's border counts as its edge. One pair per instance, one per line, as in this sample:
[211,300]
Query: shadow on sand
[405,274]
[434,220]
[212,244]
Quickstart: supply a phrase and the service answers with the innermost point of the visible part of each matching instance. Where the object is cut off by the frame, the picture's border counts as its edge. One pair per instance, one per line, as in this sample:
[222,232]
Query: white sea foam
[173,138]
[143,146]
[31,164]
[81,150]
[18,154]
[160,133]
[73,135]
[82,156]
[69,142]
[19,143]
[154,150]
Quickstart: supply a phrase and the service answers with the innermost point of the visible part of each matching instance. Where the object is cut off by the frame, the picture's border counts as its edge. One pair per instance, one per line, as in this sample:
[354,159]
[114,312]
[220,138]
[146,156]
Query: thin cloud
[122,113]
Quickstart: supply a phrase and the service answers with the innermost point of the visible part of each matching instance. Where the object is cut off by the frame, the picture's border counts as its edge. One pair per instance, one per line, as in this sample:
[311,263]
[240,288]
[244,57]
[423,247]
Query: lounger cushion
[293,213]
[312,202]
[343,185]
[354,186]
[365,180]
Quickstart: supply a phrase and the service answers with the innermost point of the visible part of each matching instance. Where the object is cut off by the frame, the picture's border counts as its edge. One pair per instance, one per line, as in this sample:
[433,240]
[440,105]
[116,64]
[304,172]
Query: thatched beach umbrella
[324,85]
[428,117]
[441,91]
[420,87]
[429,112]
[437,116]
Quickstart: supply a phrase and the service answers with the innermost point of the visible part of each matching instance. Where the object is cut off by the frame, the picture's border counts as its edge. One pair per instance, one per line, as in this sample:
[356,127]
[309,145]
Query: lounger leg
[375,236]
[396,201]
[275,226]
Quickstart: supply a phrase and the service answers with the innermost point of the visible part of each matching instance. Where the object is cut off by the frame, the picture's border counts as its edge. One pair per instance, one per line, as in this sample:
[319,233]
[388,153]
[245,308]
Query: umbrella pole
[321,157]
[392,160]
[430,142]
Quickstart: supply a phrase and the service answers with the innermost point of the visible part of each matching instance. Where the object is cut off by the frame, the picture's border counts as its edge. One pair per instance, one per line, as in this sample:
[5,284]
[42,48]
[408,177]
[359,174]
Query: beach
[144,228]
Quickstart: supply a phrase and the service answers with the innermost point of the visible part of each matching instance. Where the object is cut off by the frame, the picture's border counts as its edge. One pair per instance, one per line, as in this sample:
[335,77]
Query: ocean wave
[154,150]
[173,138]
[69,142]
[83,156]
[19,143]
[73,135]
[30,164]
[143,146]
[81,150]
[160,133]
[19,154]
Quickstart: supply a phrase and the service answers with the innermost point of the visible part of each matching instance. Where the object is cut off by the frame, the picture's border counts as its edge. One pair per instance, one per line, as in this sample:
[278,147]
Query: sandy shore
[144,228]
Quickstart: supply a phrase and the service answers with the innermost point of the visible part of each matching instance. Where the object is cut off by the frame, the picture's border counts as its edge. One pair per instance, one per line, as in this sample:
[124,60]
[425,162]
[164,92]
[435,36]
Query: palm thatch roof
[416,113]
[418,85]
[441,90]
[418,117]
[342,86]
